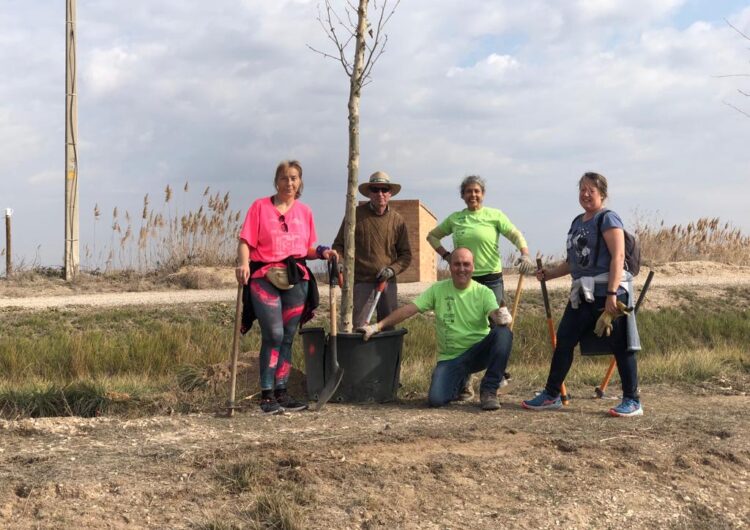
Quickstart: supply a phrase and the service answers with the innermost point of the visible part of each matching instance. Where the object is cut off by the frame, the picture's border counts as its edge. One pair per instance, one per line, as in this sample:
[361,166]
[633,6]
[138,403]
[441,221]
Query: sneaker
[488,400]
[269,405]
[628,407]
[543,401]
[287,402]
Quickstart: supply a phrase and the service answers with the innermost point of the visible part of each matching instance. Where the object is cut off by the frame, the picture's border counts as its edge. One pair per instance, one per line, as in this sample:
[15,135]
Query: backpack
[632,246]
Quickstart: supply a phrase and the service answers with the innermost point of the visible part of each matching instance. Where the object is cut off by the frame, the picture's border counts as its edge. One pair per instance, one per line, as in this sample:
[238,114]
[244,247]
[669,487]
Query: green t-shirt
[460,315]
[478,231]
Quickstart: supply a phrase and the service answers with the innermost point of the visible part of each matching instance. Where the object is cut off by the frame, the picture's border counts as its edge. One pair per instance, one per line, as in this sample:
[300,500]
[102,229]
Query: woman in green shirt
[478,228]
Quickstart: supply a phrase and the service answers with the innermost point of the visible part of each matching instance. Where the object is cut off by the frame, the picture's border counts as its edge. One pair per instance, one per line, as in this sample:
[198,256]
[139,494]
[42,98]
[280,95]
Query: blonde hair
[281,169]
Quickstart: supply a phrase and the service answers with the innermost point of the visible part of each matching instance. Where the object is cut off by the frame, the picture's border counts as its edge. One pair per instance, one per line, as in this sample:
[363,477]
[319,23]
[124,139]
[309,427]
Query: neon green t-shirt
[460,315]
[478,231]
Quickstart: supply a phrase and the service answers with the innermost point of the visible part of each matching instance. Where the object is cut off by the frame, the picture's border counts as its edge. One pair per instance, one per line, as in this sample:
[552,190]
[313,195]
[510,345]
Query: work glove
[525,265]
[502,317]
[369,330]
[604,323]
[386,273]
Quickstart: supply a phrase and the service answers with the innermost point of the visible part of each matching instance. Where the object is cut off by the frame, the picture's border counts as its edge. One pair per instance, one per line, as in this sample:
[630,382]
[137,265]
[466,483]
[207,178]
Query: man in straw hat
[381,249]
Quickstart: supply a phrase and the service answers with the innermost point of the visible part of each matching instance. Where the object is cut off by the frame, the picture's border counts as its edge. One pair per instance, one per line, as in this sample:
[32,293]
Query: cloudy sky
[527,94]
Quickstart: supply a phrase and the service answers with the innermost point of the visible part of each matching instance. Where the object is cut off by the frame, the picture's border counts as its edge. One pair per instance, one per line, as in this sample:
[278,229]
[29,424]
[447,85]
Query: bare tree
[742,92]
[344,29]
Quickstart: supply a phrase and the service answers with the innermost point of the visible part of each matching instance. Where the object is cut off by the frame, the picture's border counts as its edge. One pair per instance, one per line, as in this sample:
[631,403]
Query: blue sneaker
[543,401]
[628,407]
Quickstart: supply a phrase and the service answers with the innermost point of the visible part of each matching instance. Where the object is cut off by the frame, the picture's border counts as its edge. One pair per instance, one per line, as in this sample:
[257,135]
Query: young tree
[344,29]
[742,92]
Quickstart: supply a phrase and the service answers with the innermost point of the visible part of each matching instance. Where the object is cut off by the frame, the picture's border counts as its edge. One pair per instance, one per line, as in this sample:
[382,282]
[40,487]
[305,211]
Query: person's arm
[434,237]
[615,240]
[242,272]
[403,250]
[338,243]
[398,316]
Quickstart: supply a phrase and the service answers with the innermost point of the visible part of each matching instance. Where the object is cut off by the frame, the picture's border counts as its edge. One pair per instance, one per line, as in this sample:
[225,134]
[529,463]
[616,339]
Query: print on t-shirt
[579,241]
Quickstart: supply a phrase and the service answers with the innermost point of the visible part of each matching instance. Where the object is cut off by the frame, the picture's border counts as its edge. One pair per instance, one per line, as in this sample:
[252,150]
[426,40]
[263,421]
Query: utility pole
[8,250]
[71,147]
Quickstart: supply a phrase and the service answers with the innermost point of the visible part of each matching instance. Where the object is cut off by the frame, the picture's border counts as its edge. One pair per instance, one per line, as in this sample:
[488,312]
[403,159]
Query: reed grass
[707,239]
[162,238]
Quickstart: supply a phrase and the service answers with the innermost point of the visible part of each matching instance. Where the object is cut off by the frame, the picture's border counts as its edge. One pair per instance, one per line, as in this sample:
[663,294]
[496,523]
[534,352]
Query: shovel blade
[330,388]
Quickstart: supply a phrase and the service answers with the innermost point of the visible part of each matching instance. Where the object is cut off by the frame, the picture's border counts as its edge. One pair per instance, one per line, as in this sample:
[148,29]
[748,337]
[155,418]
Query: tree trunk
[355,86]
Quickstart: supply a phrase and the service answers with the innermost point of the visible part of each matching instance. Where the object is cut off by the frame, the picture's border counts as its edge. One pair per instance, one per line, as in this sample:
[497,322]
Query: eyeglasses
[284,227]
[374,189]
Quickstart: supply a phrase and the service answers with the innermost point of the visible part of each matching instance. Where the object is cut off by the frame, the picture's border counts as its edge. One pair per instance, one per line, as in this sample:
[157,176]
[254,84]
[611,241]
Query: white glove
[502,317]
[525,265]
[369,330]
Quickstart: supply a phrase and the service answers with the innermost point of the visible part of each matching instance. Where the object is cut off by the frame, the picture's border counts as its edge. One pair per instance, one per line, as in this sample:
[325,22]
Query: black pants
[574,324]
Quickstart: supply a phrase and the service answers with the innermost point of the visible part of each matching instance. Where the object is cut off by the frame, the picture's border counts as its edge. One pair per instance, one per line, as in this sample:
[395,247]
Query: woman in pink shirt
[278,235]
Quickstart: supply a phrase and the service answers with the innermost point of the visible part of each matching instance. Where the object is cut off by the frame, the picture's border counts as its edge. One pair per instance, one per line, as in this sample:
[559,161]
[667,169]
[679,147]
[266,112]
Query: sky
[529,95]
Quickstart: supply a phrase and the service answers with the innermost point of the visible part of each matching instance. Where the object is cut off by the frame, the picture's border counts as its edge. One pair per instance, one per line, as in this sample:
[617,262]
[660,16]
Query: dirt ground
[684,465]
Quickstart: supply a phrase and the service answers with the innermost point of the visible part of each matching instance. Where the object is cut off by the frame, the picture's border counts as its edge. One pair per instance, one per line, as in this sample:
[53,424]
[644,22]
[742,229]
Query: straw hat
[379,178]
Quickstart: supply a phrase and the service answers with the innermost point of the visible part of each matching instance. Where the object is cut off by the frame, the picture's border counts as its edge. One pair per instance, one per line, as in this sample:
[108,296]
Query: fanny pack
[285,277]
[279,278]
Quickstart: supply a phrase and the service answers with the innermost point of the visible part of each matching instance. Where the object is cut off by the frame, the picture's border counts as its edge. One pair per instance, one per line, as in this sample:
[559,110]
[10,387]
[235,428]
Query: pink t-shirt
[269,242]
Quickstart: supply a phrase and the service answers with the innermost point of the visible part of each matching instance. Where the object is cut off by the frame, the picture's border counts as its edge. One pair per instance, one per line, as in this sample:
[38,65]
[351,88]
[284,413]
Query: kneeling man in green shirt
[466,344]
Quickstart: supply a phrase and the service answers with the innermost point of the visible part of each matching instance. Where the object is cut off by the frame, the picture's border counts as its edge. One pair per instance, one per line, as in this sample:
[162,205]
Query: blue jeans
[491,354]
[576,322]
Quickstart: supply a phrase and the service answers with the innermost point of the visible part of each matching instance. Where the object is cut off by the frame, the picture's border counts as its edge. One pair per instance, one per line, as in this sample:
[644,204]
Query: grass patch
[83,362]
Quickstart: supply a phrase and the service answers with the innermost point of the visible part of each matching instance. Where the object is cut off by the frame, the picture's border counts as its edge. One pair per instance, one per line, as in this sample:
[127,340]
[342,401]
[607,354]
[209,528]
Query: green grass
[78,362]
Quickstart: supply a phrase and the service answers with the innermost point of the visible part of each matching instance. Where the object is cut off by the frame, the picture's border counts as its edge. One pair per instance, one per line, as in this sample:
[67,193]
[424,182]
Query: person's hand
[501,316]
[242,273]
[330,254]
[447,257]
[603,326]
[386,273]
[369,330]
[525,265]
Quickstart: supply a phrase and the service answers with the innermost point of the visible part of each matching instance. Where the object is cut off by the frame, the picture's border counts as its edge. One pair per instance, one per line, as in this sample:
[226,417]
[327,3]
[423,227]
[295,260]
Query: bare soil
[684,465]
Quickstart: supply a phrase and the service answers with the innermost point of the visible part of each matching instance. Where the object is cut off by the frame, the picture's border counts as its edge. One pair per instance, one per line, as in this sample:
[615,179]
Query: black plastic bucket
[372,369]
[314,346]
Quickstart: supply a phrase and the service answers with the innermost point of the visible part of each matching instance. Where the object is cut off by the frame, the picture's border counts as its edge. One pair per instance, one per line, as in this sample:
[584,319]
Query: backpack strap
[599,222]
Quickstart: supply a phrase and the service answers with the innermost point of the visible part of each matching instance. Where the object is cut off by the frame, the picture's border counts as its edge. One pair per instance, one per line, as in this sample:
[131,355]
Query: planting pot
[371,369]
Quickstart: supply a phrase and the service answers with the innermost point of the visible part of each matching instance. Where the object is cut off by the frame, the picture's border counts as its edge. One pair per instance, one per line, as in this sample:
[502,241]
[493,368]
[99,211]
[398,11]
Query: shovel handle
[235,352]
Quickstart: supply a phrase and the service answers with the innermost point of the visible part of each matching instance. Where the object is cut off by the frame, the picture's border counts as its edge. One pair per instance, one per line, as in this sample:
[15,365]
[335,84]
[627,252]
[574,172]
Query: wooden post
[8,251]
[71,145]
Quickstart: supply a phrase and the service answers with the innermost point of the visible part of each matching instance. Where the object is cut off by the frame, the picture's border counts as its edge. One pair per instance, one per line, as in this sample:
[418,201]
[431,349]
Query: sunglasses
[375,189]
[284,227]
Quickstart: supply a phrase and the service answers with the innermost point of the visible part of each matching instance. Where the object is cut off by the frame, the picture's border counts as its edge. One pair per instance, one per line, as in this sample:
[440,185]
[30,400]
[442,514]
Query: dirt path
[685,464]
[704,279]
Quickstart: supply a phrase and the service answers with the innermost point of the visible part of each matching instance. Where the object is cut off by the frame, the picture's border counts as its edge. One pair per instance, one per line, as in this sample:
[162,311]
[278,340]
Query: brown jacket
[381,241]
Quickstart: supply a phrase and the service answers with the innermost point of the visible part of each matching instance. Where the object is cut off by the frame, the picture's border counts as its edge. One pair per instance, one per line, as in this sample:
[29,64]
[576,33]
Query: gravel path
[708,279]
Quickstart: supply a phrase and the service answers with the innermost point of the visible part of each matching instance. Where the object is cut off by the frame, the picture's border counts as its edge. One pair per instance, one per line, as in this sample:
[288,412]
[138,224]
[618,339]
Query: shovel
[378,291]
[602,388]
[235,353]
[337,373]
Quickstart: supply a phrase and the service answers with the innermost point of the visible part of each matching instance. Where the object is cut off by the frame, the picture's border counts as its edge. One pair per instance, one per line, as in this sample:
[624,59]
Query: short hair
[453,252]
[472,179]
[281,169]
[599,181]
